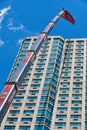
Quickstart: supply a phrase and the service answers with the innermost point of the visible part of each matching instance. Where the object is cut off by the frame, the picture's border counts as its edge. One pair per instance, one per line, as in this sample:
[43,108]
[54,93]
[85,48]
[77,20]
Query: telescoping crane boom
[11,86]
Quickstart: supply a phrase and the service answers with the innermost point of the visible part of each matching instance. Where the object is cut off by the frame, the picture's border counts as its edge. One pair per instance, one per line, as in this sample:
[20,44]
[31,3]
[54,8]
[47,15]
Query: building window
[53,60]
[61,116]
[20,92]
[67,68]
[65,73]
[47,122]
[44,98]
[48,79]
[56,40]
[28,112]
[67,63]
[41,64]
[38,74]
[11,119]
[63,96]
[76,96]
[41,60]
[64,89]
[50,107]
[42,104]
[54,47]
[79,54]
[30,105]
[77,83]
[76,102]
[80,42]
[26,120]
[69,42]
[77,78]
[78,72]
[45,112]
[40,127]
[19,98]
[79,46]
[76,109]
[78,68]
[65,84]
[42,112]
[16,104]
[79,50]
[68,54]
[14,111]
[9,127]
[49,114]
[68,59]
[39,69]
[40,119]
[33,92]
[62,109]
[62,102]
[69,46]
[60,124]
[78,58]
[44,92]
[49,74]
[54,51]
[25,80]
[35,86]
[77,89]
[51,64]
[23,86]
[65,78]
[24,128]
[36,80]
[76,116]
[32,98]
[76,124]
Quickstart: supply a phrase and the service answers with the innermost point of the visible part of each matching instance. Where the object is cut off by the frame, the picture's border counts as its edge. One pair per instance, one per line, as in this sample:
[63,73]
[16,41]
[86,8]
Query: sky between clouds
[21,18]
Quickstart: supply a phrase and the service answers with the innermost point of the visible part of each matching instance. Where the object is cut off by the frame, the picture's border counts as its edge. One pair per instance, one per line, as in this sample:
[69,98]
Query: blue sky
[21,18]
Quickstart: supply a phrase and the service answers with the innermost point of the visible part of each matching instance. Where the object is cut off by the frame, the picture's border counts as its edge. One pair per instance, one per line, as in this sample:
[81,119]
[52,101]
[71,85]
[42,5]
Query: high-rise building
[53,92]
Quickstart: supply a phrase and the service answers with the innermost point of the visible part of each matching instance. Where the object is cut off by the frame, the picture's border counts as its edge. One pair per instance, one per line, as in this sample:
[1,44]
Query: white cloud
[3,12]
[11,24]
[1,42]
[20,41]
[14,28]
